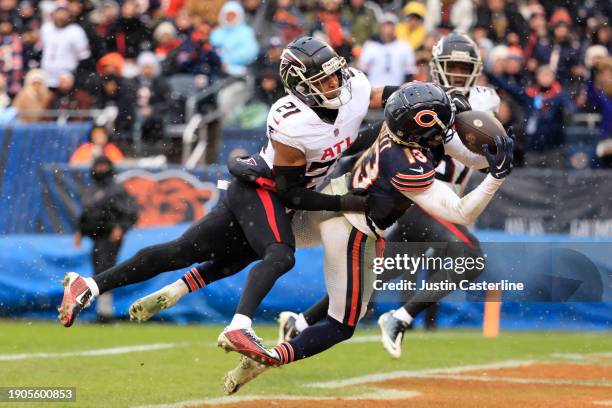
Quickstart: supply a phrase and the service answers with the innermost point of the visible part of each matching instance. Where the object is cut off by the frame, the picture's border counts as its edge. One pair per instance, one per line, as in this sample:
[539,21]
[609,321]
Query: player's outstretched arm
[442,202]
[290,178]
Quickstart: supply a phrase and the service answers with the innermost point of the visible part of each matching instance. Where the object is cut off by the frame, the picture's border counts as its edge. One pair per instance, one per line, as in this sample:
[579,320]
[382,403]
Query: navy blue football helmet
[418,113]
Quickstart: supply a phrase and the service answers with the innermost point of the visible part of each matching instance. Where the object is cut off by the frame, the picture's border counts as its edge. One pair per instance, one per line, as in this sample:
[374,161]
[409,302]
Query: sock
[180,287]
[240,322]
[95,291]
[284,352]
[314,340]
[402,314]
[300,323]
[193,280]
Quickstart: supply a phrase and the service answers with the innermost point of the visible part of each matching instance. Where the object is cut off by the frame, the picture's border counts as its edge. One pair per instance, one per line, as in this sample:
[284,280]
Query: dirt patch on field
[541,385]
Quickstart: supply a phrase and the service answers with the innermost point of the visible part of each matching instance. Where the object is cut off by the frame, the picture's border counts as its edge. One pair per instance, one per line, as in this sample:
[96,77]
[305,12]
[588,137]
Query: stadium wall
[32,265]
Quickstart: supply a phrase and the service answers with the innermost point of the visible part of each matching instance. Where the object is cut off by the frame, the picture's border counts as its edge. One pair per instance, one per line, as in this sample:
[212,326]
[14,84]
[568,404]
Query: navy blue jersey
[386,170]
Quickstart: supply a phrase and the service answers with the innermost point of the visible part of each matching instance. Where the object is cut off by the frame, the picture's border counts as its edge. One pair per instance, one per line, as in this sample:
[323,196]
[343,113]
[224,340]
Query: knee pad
[280,256]
[344,331]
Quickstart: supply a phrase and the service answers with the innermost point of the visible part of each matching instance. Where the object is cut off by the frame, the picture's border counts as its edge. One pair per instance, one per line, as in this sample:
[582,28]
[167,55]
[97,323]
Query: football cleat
[392,330]
[77,296]
[246,342]
[246,371]
[287,329]
[146,307]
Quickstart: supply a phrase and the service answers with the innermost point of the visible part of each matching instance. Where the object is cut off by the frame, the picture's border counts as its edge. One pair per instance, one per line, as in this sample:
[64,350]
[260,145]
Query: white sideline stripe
[518,380]
[93,353]
[379,395]
[569,356]
[419,373]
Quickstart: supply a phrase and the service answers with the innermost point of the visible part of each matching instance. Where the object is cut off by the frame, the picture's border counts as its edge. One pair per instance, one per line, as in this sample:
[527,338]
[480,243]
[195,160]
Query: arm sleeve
[442,202]
[457,150]
[289,185]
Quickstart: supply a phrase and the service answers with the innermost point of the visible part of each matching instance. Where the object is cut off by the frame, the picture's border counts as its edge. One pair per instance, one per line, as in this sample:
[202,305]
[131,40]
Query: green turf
[193,370]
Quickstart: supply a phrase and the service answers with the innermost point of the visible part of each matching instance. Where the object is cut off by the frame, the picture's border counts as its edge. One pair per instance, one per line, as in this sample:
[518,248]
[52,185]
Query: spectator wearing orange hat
[110,64]
[412,29]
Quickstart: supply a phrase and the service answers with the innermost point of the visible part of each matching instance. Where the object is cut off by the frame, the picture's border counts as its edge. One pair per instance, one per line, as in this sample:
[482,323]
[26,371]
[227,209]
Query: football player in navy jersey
[308,130]
[456,65]
[397,171]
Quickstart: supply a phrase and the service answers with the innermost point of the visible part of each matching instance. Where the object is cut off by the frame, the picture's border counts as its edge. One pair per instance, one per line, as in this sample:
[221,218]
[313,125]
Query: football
[476,128]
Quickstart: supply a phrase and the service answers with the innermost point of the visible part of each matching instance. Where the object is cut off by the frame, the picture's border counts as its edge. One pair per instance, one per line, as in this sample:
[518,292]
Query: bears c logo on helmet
[420,118]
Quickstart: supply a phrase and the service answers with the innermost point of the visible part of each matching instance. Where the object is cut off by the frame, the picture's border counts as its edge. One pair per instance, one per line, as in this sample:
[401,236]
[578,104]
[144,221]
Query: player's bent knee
[281,257]
[343,331]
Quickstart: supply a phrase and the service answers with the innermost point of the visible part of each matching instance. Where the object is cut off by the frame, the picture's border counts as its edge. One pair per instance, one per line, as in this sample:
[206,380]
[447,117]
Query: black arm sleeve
[289,185]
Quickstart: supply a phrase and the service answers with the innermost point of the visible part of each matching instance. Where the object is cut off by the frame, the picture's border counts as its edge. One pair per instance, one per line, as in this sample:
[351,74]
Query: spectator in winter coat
[362,19]
[34,96]
[562,54]
[545,105]
[234,39]
[412,29]
[11,56]
[599,93]
[166,40]
[128,35]
[108,213]
[152,93]
[195,56]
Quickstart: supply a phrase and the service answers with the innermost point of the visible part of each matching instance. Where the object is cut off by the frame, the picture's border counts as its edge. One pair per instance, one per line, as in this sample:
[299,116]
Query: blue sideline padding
[31,267]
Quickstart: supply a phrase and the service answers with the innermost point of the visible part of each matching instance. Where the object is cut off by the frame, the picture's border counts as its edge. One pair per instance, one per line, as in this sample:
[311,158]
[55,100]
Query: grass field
[142,365]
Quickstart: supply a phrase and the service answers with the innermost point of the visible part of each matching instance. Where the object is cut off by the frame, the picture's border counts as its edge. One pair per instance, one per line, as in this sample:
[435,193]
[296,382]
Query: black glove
[460,101]
[355,200]
[500,164]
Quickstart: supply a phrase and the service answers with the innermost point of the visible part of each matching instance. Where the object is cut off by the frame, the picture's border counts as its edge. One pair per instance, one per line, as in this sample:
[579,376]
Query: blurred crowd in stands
[549,60]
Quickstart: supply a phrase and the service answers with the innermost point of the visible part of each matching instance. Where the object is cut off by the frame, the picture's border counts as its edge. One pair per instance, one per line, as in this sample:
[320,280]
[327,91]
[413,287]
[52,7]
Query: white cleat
[146,307]
[286,326]
[246,371]
[392,330]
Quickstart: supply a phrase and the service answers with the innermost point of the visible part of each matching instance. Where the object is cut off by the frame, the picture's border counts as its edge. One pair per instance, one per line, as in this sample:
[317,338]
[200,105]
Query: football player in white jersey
[308,131]
[456,65]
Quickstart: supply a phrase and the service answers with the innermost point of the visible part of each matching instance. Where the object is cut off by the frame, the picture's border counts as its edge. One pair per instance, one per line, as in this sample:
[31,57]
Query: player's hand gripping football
[500,163]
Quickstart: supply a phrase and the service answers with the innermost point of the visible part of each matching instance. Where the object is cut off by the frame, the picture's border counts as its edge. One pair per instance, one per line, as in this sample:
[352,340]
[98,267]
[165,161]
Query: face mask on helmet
[319,89]
[456,68]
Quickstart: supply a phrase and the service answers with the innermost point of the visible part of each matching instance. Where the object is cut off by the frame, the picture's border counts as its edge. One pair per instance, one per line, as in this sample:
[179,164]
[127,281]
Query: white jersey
[294,124]
[62,49]
[387,64]
[451,171]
